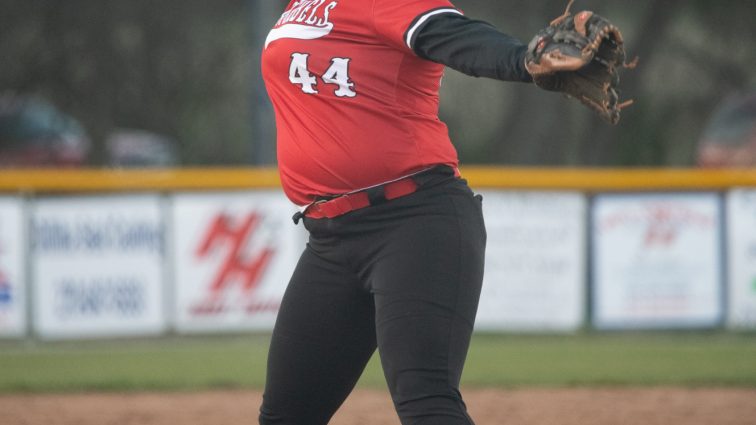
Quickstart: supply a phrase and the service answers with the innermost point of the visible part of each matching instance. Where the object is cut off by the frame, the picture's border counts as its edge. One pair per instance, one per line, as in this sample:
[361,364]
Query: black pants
[405,277]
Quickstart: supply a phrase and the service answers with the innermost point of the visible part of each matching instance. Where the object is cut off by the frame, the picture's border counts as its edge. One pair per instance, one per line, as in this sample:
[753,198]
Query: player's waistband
[332,207]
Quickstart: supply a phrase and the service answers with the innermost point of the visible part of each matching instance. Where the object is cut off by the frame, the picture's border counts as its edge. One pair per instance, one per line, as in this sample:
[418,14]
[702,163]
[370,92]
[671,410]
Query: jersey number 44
[337,74]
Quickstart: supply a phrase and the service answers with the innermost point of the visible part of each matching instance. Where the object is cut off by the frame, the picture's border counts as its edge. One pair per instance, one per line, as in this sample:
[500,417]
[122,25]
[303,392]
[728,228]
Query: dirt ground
[662,406]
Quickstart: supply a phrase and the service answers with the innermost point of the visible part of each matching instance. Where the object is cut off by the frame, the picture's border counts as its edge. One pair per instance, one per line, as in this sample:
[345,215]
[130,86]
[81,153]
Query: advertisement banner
[741,232]
[97,266]
[657,261]
[535,261]
[234,255]
[12,277]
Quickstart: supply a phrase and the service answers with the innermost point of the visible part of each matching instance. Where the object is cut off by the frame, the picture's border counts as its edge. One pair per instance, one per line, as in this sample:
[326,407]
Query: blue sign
[112,234]
[92,298]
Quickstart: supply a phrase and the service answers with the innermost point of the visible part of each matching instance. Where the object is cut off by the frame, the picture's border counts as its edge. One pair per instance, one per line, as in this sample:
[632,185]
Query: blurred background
[176,82]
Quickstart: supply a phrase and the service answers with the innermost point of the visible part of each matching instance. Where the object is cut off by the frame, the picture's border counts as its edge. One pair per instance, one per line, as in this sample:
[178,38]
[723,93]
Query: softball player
[397,240]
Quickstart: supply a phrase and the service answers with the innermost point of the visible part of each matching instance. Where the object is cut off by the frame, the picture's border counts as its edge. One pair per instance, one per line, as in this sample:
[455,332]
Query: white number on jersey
[299,74]
[337,73]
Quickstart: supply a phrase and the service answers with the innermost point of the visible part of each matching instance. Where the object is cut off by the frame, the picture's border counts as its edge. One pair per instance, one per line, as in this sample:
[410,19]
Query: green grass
[187,364]
[641,360]
[173,364]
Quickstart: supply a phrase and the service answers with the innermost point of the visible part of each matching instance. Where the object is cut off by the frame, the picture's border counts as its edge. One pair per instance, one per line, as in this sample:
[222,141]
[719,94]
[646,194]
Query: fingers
[554,61]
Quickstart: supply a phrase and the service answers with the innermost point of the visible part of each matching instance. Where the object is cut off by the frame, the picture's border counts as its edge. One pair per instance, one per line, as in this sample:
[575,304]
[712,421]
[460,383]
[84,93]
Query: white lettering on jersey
[300,74]
[305,20]
[337,73]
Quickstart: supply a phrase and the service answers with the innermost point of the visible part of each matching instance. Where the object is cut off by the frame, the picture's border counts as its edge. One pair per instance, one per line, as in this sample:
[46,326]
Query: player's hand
[580,55]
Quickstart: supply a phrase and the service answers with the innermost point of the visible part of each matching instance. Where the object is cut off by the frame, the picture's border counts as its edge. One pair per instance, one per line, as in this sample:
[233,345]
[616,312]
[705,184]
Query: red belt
[365,198]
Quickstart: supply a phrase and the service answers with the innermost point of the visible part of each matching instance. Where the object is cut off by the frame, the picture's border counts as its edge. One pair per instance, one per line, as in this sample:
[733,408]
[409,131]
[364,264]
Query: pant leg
[323,338]
[426,285]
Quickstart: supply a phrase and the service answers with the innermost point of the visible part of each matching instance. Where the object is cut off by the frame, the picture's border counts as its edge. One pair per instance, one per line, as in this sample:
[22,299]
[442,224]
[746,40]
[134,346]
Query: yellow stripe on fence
[604,179]
[190,179]
[106,180]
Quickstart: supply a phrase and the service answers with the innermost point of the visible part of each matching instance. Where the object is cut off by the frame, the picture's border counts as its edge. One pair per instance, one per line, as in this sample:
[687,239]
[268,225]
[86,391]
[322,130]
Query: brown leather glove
[580,55]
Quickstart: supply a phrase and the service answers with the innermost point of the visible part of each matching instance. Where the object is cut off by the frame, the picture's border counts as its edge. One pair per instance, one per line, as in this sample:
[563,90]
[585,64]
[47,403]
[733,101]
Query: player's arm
[472,47]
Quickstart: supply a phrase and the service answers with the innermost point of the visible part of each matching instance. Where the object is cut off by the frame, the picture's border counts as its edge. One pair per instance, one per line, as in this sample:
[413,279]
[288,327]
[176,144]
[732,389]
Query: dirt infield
[664,406]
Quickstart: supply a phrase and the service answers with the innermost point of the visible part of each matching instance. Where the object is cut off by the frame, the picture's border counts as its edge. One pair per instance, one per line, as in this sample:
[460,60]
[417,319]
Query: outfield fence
[109,253]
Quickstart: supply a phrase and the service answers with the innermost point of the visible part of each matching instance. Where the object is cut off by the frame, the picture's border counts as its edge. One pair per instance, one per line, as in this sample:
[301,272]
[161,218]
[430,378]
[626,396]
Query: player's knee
[268,418]
[442,408]
[291,416]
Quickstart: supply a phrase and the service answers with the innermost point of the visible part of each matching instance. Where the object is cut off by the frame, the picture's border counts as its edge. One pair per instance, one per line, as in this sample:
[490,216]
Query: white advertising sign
[12,278]
[657,261]
[535,261]
[234,255]
[741,214]
[97,264]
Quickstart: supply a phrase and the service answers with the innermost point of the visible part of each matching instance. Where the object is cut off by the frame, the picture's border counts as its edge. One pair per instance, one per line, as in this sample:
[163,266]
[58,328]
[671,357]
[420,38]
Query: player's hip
[444,205]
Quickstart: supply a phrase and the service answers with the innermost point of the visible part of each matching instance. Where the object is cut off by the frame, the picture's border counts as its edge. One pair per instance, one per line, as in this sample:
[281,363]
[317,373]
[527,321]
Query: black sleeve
[472,47]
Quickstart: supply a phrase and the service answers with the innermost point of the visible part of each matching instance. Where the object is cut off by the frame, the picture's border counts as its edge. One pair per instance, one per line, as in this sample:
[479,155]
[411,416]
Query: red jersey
[354,105]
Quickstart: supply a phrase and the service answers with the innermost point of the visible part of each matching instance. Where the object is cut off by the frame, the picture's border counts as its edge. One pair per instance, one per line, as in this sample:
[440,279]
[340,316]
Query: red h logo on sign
[249,270]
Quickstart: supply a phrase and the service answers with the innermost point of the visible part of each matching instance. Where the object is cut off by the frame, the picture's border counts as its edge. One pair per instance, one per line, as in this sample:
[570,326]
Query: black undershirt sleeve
[472,47]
